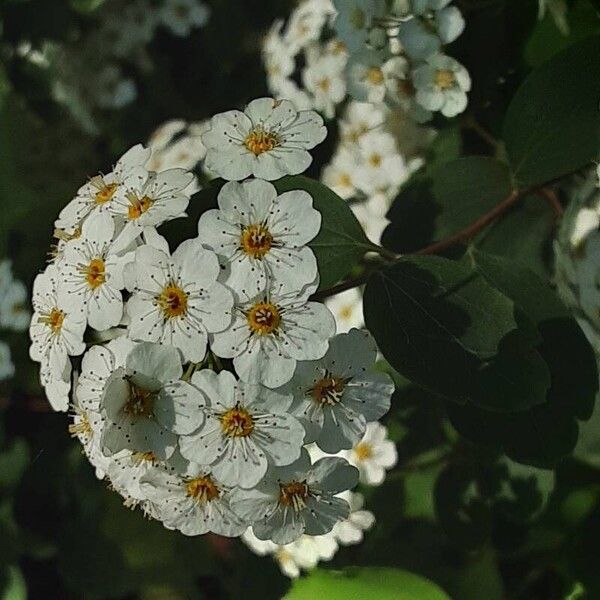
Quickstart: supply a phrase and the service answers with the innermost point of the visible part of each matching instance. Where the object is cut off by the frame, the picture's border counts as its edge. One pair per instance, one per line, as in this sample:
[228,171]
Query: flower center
[339,47]
[95,273]
[363,451]
[202,489]
[173,301]
[263,318]
[138,206]
[260,141]
[256,240]
[143,457]
[140,402]
[346,312]
[82,428]
[328,391]
[444,79]
[237,422]
[375,160]
[375,76]
[54,319]
[345,180]
[324,84]
[105,192]
[294,494]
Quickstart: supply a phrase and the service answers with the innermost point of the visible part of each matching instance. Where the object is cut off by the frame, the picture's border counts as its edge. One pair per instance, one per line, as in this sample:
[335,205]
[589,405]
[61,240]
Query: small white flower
[111,89]
[290,91]
[278,58]
[99,193]
[337,396]
[361,118]
[366,77]
[442,84]
[306,23]
[355,19]
[146,404]
[324,79]
[56,333]
[149,203]
[347,308]
[14,311]
[181,16]
[246,428]
[270,332]
[340,174]
[371,220]
[92,275]
[351,531]
[269,139]
[7,367]
[297,499]
[194,502]
[381,166]
[373,455]
[86,426]
[57,386]
[260,236]
[176,299]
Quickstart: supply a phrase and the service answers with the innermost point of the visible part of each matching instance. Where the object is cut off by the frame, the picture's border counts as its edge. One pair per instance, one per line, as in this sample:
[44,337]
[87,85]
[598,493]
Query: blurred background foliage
[471,520]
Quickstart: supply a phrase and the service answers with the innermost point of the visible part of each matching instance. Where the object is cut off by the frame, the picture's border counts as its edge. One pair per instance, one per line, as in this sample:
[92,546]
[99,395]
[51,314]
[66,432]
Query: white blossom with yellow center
[297,499]
[324,78]
[246,428]
[193,501]
[176,299]
[269,139]
[92,274]
[99,193]
[260,236]
[272,331]
[337,396]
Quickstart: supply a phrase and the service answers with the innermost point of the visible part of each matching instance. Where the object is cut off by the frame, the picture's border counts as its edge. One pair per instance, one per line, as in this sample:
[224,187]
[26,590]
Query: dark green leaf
[552,126]
[341,243]
[366,584]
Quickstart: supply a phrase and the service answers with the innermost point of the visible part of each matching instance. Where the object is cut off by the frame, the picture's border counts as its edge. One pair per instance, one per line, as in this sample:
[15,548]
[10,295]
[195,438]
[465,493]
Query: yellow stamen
[237,422]
[173,301]
[140,402]
[260,141]
[363,451]
[329,390]
[324,84]
[263,318]
[105,192]
[138,206]
[375,160]
[294,494]
[256,241]
[202,489]
[375,76]
[444,79]
[82,428]
[95,273]
[54,319]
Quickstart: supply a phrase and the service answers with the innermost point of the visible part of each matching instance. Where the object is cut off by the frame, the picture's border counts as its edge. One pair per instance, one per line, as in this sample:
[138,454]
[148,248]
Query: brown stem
[341,287]
[552,199]
[473,229]
[484,134]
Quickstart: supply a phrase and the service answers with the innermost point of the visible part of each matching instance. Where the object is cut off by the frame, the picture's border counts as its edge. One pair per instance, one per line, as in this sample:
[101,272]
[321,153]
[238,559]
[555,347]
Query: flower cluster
[198,375]
[117,45]
[14,314]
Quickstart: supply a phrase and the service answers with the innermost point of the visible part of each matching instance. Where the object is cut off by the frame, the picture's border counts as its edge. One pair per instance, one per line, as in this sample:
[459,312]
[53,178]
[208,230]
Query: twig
[484,134]
[552,198]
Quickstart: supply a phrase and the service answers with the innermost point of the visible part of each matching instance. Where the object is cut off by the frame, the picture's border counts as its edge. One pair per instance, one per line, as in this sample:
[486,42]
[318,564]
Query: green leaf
[15,587]
[365,584]
[552,126]
[13,463]
[341,243]
[436,322]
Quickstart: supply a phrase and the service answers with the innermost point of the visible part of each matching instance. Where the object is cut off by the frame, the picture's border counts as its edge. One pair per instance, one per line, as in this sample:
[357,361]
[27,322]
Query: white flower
[129,27]
[297,499]
[7,368]
[366,78]
[111,89]
[324,79]
[337,396]
[373,455]
[246,428]
[56,333]
[340,173]
[92,275]
[99,193]
[289,90]
[347,308]
[278,58]
[86,426]
[442,84]
[260,236]
[370,218]
[355,19]
[194,502]
[14,313]
[361,118]
[270,332]
[146,404]
[151,202]
[176,299]
[351,531]
[57,386]
[306,23]
[381,165]
[177,145]
[181,16]
[269,139]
